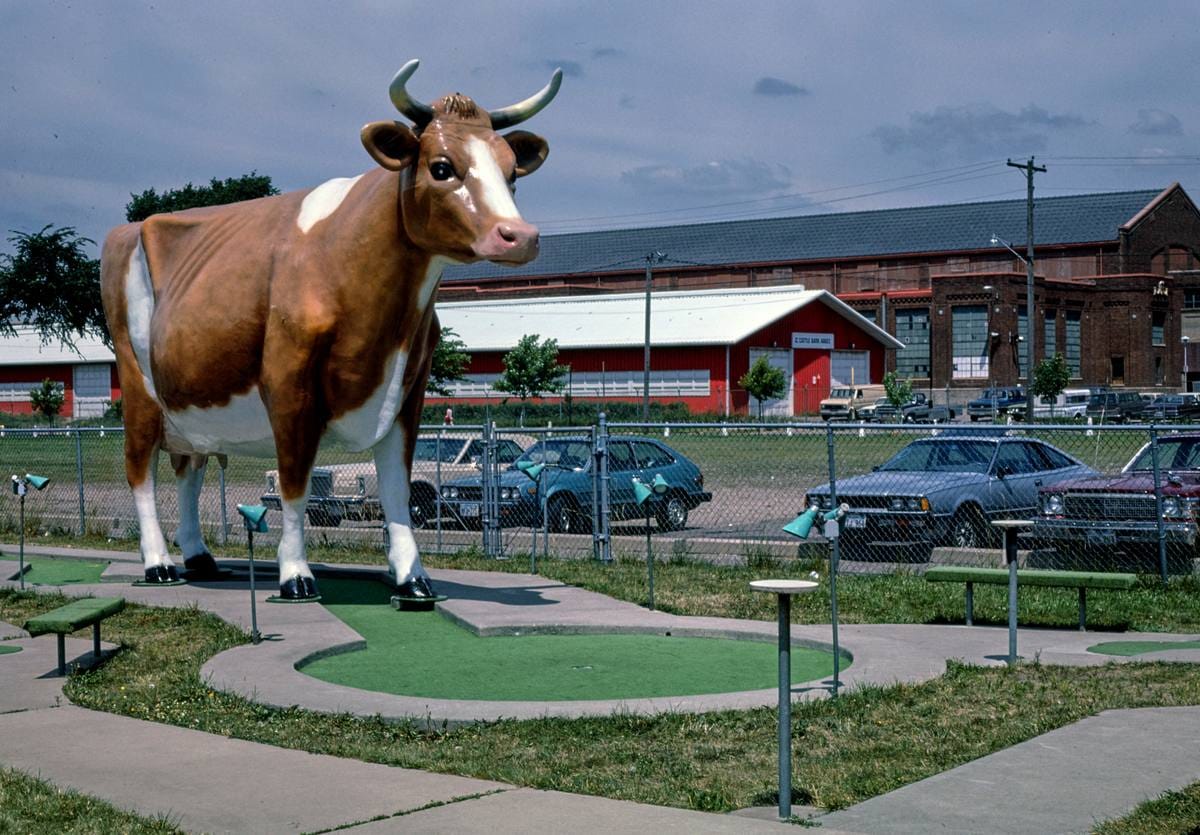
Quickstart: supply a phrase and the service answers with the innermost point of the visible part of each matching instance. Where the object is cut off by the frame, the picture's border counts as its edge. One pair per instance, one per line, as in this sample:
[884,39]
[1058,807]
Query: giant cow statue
[269,326]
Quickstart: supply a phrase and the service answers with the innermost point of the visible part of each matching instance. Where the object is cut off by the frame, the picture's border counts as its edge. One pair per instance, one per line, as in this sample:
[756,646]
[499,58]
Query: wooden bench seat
[86,611]
[1081,580]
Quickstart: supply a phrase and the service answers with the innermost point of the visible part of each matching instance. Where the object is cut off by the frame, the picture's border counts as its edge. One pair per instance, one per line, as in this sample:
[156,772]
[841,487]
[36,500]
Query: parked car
[1106,515]
[945,490]
[568,480]
[881,410]
[1068,403]
[1182,407]
[844,402]
[1115,407]
[996,402]
[351,491]
[921,410]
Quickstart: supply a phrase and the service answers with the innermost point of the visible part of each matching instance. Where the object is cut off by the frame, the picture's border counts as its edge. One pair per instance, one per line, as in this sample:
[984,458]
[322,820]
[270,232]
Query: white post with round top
[783,590]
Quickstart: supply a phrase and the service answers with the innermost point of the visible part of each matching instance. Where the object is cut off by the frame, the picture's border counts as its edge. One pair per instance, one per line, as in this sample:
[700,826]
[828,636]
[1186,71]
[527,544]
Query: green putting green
[1140,647]
[7,648]
[424,654]
[52,571]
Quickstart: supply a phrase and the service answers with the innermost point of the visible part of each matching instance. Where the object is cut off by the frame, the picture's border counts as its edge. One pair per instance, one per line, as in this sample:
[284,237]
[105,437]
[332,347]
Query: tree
[47,399]
[763,382]
[531,370]
[898,391]
[50,283]
[1050,377]
[216,193]
[450,360]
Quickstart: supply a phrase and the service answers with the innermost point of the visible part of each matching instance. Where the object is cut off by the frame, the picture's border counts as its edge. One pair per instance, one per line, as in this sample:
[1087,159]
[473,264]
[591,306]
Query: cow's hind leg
[143,431]
[393,457]
[189,480]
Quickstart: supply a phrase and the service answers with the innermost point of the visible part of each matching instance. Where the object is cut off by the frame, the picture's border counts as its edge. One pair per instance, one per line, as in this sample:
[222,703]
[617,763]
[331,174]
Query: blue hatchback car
[945,490]
[568,482]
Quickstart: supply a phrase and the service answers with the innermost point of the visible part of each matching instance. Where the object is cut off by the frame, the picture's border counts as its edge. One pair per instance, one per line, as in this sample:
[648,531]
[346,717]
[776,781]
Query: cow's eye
[441,170]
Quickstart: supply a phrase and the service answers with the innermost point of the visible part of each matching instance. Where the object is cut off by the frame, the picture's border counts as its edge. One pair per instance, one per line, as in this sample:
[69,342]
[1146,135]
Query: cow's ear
[529,149]
[391,144]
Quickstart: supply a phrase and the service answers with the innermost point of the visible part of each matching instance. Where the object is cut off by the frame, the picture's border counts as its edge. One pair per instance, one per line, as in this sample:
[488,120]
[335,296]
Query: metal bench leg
[62,654]
[96,639]
[1082,608]
[970,603]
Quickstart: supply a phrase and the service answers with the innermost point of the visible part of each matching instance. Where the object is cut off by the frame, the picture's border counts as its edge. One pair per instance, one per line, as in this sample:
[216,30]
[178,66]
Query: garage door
[780,358]
[92,390]
[848,368]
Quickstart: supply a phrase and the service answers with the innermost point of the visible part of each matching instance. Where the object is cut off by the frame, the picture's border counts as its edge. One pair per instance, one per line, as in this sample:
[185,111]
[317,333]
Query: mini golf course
[5,649]
[49,571]
[424,654]
[1140,647]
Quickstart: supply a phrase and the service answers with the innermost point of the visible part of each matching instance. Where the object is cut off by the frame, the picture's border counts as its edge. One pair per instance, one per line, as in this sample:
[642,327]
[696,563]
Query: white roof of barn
[617,320]
[26,348]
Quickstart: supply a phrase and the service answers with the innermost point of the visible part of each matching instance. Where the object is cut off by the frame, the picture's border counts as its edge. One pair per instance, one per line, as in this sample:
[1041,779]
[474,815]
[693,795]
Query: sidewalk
[1060,782]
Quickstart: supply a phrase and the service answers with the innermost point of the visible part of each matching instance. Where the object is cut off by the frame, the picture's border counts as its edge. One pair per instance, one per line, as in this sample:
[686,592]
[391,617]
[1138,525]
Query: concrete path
[1062,781]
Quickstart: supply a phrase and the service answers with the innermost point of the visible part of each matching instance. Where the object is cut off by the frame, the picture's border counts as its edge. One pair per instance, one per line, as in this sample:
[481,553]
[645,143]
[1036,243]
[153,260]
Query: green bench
[1082,580]
[86,611]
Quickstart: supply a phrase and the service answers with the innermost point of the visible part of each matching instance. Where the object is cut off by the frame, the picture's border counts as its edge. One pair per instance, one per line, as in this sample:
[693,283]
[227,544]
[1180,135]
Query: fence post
[488,521]
[437,480]
[834,557]
[79,479]
[601,540]
[1158,504]
[224,505]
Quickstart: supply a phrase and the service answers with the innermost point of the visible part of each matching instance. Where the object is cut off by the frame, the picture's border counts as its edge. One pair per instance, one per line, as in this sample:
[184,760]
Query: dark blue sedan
[569,481]
[945,491]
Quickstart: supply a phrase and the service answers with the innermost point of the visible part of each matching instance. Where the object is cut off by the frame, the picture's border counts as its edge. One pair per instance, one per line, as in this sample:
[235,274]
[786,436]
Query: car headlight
[1052,504]
[450,492]
[908,503]
[1170,506]
[507,493]
[270,484]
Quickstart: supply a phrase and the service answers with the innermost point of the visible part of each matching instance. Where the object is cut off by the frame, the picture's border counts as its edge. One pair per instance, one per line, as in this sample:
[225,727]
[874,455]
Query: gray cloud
[1153,122]
[976,129]
[571,69]
[769,86]
[724,177]
[607,52]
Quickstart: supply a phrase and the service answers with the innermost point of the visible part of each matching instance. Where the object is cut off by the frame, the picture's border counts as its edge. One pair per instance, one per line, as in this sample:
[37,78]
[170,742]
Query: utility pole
[652,258]
[1029,168]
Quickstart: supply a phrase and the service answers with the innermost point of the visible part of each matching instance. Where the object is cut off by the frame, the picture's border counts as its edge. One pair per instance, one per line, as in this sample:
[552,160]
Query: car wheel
[422,505]
[968,530]
[672,513]
[322,518]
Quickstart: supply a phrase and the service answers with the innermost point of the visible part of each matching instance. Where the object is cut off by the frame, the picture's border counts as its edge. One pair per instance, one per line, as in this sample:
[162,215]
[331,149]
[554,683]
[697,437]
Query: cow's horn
[519,112]
[420,113]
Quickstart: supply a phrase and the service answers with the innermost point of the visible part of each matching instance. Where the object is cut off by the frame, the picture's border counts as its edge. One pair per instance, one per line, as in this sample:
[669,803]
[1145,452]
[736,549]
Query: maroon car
[1107,515]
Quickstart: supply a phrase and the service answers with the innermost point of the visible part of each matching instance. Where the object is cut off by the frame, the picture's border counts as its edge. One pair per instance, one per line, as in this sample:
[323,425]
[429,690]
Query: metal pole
[79,479]
[649,556]
[834,559]
[603,514]
[1158,505]
[1029,168]
[437,478]
[255,637]
[646,347]
[224,506]
[545,519]
[1010,554]
[21,566]
[785,706]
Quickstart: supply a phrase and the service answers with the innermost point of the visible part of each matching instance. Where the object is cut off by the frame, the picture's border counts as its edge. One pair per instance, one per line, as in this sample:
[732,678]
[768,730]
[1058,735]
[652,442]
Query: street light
[1027,260]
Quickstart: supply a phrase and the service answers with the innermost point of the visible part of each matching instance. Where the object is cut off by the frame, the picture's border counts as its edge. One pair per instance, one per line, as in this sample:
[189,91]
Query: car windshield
[563,452]
[943,457]
[433,449]
[1173,454]
[1101,400]
[841,393]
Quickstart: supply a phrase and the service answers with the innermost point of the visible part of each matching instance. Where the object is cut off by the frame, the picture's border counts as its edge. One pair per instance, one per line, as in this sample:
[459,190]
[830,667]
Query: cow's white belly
[365,426]
[241,426]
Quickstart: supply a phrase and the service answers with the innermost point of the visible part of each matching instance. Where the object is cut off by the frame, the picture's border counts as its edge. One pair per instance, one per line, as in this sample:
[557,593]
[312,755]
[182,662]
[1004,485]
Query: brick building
[1117,283]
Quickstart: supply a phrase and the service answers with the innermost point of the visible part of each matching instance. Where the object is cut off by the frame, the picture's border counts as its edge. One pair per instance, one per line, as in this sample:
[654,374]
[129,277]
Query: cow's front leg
[189,480]
[297,435]
[392,465]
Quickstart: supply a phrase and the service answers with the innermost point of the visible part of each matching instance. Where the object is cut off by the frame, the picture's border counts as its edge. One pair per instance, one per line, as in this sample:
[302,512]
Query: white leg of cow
[155,559]
[404,561]
[189,481]
[295,577]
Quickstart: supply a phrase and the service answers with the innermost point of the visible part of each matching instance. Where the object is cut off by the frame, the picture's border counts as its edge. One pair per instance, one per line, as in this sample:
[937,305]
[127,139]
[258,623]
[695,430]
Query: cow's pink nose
[511,240]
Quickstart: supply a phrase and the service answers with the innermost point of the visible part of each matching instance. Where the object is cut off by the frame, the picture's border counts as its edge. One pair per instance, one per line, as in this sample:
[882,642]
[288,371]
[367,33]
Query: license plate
[855,520]
[469,509]
[1095,537]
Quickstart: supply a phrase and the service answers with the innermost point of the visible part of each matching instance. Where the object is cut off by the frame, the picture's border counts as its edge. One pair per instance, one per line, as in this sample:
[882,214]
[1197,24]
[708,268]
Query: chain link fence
[1099,498]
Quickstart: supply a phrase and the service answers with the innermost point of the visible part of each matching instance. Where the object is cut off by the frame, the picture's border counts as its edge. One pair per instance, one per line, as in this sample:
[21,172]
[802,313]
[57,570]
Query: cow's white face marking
[369,423]
[495,195]
[323,201]
[241,426]
[139,310]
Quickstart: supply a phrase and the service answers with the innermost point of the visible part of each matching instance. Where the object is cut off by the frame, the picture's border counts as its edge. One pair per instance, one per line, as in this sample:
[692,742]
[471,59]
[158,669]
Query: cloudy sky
[670,112]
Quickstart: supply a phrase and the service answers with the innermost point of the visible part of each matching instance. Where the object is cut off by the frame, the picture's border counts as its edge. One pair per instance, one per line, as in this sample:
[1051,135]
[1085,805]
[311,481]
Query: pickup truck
[996,402]
[916,410]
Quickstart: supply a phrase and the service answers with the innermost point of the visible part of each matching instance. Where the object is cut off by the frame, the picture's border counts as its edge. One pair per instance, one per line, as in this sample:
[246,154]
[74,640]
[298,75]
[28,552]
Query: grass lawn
[53,571]
[1140,647]
[537,667]
[31,805]
[1169,814]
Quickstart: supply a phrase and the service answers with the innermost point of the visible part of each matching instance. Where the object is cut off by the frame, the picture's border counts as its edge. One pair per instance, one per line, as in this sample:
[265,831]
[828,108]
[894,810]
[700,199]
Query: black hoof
[162,574]
[201,566]
[299,588]
[416,589]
